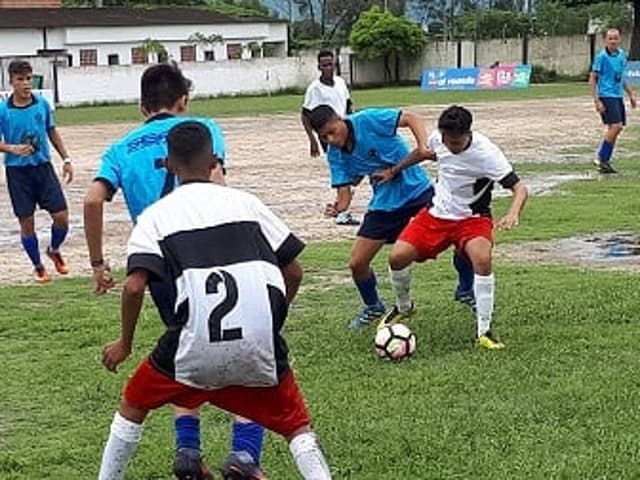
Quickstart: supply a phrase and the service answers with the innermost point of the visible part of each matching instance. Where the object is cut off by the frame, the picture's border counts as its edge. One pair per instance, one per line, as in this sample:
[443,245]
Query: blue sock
[30,245]
[605,151]
[368,290]
[465,273]
[57,236]
[248,437]
[187,432]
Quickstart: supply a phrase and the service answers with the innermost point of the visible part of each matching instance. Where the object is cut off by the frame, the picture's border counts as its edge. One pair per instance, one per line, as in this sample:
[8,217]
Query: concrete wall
[85,85]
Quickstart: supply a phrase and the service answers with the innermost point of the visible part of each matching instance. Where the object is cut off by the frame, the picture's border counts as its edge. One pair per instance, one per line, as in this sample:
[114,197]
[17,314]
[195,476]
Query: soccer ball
[395,342]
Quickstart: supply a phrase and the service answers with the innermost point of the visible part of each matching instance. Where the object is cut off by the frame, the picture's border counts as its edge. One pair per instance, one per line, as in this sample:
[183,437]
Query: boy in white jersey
[469,164]
[234,267]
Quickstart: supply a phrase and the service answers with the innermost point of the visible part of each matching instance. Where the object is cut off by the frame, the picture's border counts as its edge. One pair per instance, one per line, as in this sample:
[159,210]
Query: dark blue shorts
[34,185]
[614,111]
[382,225]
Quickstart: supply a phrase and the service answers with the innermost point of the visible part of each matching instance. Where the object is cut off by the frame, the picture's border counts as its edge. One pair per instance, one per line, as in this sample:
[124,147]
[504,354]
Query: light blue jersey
[27,125]
[376,146]
[610,69]
[136,162]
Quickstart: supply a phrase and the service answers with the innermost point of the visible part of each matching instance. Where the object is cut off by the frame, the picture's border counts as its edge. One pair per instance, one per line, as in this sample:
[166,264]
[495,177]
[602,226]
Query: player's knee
[398,260]
[358,267]
[482,264]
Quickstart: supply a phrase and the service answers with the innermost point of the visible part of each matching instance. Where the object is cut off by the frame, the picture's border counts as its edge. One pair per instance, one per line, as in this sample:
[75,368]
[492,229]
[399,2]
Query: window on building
[139,55]
[188,53]
[113,59]
[234,51]
[88,58]
[163,56]
[209,56]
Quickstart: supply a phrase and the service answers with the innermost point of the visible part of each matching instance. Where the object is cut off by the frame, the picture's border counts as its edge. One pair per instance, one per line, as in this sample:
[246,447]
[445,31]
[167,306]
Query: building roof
[117,17]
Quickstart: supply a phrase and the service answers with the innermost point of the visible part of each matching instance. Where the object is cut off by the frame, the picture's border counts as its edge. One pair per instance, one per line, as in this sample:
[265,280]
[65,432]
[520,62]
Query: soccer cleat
[606,169]
[61,266]
[368,315]
[345,218]
[41,275]
[241,466]
[395,316]
[188,465]
[488,341]
[466,298]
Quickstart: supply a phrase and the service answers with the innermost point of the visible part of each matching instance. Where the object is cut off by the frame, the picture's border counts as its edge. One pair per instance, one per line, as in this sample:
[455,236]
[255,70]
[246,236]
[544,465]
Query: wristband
[97,263]
[67,161]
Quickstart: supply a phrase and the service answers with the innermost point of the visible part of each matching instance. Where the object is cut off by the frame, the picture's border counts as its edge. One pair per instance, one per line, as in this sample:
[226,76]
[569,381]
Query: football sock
[309,458]
[465,272]
[368,290]
[30,245]
[57,237]
[121,445]
[401,281]
[483,287]
[605,151]
[187,432]
[248,437]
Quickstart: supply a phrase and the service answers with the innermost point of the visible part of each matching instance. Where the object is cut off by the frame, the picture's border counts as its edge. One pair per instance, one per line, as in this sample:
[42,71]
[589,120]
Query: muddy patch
[611,251]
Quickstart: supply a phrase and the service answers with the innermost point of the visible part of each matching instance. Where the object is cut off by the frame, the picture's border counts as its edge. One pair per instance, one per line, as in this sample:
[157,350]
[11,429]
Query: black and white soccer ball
[395,342]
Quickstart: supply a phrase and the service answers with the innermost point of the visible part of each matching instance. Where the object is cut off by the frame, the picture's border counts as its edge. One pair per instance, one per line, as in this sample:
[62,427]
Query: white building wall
[86,85]
[20,42]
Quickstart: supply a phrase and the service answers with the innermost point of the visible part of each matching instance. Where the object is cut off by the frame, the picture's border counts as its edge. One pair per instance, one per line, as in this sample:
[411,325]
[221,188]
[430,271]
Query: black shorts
[614,111]
[34,185]
[383,225]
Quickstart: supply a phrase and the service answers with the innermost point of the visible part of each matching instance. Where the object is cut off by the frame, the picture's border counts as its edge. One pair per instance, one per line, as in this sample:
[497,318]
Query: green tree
[634,51]
[491,23]
[156,48]
[379,34]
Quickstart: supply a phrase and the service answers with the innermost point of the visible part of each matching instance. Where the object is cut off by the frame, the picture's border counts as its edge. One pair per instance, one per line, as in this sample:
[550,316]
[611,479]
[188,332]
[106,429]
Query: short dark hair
[190,144]
[455,120]
[19,67]
[320,116]
[161,86]
[606,32]
[324,53]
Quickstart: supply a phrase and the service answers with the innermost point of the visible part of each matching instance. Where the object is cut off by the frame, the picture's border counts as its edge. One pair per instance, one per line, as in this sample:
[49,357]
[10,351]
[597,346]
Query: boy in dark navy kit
[26,127]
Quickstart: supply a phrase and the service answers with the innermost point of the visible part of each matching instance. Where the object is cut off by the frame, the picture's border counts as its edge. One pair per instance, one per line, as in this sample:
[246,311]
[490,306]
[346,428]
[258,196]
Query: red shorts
[430,235]
[281,408]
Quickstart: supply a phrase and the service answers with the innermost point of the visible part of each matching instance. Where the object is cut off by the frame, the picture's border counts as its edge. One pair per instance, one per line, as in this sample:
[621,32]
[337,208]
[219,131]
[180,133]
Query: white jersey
[223,248]
[465,180]
[336,96]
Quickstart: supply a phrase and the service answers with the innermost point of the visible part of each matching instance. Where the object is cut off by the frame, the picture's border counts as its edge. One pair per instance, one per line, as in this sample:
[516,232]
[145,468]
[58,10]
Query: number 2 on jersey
[216,332]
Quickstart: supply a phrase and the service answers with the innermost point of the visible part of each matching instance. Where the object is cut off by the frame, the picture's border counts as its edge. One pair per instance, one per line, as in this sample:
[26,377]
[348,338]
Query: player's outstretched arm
[512,218]
[117,352]
[93,223]
[292,273]
[58,144]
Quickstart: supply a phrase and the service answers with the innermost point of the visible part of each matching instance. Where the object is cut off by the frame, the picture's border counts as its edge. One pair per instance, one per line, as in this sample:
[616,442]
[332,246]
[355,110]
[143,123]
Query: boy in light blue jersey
[607,88]
[26,127]
[363,144]
[136,164]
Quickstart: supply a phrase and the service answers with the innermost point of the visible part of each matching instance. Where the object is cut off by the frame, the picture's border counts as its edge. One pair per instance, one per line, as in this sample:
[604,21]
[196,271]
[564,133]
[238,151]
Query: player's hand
[314,150]
[67,172]
[600,108]
[508,222]
[330,210]
[102,279]
[114,353]
[22,150]
[382,176]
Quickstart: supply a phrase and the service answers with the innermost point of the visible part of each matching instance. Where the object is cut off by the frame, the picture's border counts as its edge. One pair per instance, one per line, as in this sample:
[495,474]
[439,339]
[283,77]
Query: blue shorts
[34,185]
[614,111]
[382,225]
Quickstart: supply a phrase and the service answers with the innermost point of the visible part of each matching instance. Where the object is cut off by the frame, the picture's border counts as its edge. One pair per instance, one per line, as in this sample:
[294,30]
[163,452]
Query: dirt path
[268,156]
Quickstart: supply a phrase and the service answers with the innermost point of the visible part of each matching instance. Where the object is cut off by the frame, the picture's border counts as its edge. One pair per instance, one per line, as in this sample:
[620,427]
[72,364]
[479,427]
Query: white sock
[401,281]
[483,288]
[309,458]
[123,440]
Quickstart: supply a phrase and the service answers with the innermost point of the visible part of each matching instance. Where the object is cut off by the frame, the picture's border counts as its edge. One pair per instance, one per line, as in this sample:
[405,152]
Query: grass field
[560,402]
[250,106]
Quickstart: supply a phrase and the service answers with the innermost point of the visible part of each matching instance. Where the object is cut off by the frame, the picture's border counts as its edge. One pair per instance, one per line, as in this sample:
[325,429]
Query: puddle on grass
[611,250]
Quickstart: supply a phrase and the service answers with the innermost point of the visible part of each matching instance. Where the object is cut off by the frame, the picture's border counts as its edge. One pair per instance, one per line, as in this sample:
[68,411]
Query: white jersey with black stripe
[465,180]
[223,249]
